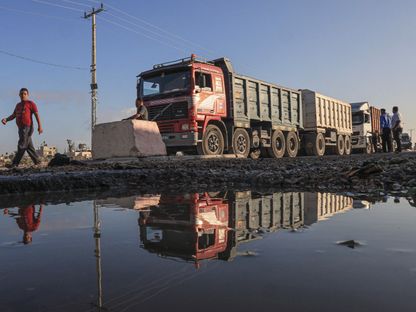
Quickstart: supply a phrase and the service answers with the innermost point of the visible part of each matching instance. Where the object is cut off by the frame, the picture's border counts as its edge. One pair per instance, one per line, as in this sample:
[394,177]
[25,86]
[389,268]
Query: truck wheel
[339,148]
[347,145]
[278,144]
[317,144]
[241,143]
[212,142]
[292,144]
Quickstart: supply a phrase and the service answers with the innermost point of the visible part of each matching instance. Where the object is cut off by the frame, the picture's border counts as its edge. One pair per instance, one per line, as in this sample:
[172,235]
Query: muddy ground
[374,175]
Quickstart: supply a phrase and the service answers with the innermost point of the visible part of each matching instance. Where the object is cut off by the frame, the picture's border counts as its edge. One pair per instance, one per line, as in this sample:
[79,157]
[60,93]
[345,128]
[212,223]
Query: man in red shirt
[23,113]
[28,220]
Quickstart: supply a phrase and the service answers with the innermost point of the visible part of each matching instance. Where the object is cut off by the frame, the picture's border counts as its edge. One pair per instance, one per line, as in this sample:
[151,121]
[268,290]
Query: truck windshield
[165,82]
[357,118]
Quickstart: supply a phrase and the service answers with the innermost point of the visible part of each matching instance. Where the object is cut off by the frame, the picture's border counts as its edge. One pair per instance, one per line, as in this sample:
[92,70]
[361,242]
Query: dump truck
[366,135]
[205,106]
[327,124]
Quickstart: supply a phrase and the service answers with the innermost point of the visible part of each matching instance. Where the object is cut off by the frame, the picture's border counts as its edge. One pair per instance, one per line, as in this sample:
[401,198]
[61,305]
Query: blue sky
[352,50]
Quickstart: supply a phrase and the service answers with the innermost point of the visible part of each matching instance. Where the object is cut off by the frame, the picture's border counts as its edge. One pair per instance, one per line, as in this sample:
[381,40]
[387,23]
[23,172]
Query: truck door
[210,97]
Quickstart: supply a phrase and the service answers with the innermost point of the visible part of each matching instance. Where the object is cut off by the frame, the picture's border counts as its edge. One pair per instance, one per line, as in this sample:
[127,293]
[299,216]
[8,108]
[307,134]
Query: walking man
[385,125]
[23,114]
[397,126]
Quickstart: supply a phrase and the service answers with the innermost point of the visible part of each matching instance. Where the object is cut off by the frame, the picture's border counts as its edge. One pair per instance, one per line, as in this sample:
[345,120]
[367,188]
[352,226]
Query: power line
[76,3]
[58,5]
[142,34]
[37,14]
[42,62]
[156,27]
[138,25]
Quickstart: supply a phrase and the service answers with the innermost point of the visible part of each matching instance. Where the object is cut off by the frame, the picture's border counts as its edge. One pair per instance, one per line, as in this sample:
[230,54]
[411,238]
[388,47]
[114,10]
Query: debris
[350,243]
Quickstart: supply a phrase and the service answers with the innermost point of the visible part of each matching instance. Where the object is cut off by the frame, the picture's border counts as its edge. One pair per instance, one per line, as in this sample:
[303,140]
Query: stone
[129,138]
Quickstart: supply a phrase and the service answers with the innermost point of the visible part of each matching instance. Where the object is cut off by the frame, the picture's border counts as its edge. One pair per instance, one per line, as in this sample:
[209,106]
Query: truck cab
[183,96]
[361,127]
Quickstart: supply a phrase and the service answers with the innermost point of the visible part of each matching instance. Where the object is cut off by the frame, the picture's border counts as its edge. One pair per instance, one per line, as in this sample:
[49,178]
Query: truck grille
[167,128]
[175,111]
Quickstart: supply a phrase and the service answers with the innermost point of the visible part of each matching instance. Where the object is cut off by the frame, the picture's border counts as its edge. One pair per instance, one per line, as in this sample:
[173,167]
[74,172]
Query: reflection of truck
[197,226]
[191,227]
[365,127]
[207,107]
[321,206]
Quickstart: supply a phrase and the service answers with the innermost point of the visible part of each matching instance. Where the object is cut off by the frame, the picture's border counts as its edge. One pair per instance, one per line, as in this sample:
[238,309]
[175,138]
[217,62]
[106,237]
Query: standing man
[385,125]
[23,113]
[397,126]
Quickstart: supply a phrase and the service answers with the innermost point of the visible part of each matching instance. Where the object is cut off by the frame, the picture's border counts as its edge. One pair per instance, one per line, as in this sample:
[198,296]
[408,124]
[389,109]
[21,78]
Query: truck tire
[278,145]
[241,143]
[347,145]
[340,147]
[292,144]
[212,142]
[315,144]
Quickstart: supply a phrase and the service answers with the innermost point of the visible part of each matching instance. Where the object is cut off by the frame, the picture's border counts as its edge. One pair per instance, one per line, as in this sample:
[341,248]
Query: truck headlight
[185,127]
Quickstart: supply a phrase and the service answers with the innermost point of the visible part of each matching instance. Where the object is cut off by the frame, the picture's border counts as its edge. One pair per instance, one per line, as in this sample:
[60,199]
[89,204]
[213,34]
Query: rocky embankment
[371,174]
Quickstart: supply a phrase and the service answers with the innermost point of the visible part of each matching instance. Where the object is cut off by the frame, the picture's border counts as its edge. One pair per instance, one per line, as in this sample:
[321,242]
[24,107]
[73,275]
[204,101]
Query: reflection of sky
[301,271]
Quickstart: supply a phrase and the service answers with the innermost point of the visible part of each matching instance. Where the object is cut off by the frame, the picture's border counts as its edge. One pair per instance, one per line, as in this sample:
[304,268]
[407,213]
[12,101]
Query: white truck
[365,127]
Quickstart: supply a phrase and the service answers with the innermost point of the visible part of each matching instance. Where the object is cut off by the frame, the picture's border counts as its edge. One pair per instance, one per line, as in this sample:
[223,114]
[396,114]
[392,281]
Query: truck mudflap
[177,139]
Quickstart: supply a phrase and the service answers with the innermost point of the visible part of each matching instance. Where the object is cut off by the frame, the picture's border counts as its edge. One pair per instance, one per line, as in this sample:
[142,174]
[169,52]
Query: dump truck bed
[320,111]
[251,100]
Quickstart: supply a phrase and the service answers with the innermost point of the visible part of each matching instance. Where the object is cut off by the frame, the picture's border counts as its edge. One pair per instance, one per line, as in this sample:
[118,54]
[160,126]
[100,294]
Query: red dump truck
[205,106]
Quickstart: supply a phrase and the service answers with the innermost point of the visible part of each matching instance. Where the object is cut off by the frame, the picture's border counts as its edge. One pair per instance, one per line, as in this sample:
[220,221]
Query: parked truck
[205,106]
[366,135]
[326,123]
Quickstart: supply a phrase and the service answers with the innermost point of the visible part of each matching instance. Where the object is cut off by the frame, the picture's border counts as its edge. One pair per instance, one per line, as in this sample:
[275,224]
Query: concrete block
[128,138]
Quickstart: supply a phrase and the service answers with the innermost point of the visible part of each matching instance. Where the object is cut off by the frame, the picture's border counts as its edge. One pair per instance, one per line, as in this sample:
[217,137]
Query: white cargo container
[326,123]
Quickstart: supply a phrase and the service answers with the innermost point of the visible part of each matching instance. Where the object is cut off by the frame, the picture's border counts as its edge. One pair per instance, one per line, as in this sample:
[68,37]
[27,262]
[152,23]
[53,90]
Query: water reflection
[27,219]
[191,228]
[201,226]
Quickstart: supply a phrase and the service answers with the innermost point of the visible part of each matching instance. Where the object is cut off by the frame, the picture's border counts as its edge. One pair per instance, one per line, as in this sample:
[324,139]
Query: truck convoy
[366,135]
[204,106]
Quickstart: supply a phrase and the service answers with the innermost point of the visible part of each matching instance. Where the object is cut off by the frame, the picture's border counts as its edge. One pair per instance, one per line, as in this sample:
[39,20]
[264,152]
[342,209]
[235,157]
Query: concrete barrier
[129,138]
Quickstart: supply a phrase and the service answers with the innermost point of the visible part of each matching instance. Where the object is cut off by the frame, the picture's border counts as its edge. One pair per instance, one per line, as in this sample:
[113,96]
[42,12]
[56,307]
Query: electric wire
[38,14]
[156,27]
[142,34]
[76,3]
[42,62]
[57,5]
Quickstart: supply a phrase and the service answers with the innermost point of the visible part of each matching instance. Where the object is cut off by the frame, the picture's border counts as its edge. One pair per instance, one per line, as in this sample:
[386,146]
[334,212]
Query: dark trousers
[397,135]
[386,140]
[25,144]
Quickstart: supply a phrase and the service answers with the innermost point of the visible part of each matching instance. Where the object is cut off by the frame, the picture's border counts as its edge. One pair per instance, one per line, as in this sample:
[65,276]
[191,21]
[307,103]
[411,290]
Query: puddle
[229,250]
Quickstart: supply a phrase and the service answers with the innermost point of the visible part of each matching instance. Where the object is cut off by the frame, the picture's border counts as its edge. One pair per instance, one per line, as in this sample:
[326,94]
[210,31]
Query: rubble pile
[374,174]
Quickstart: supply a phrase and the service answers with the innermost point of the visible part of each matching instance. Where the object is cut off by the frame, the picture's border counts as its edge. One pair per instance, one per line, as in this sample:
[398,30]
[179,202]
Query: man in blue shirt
[385,125]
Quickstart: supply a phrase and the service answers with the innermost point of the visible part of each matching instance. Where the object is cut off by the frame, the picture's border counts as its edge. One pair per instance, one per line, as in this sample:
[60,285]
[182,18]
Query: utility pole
[93,85]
